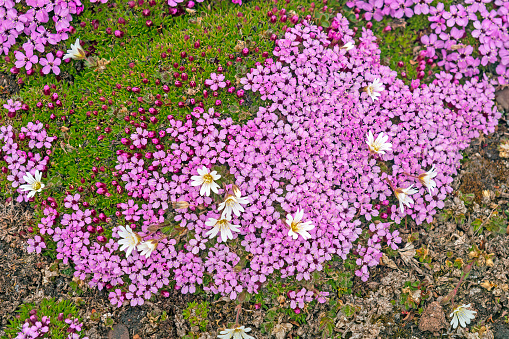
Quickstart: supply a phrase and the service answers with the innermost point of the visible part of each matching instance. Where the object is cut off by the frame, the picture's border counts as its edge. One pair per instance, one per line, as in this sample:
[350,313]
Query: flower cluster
[479,19]
[340,138]
[24,168]
[32,27]
[298,299]
[40,328]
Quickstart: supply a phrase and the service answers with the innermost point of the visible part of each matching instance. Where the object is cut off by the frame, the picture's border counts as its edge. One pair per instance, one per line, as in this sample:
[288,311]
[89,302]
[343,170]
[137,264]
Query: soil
[8,85]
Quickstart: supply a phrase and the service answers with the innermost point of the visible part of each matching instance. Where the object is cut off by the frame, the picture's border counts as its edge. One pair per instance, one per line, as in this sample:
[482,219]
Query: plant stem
[238,308]
[452,294]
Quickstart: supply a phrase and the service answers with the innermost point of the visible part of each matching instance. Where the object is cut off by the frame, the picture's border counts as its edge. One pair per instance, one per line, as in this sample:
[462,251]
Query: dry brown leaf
[280,330]
[488,285]
[456,47]
[407,253]
[385,260]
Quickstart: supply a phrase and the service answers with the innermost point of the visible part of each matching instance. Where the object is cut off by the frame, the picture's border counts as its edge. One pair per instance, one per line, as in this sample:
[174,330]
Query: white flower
[374,88]
[232,203]
[462,315]
[34,184]
[147,247]
[403,195]
[236,333]
[222,225]
[426,179]
[380,145]
[76,51]
[348,46]
[297,226]
[206,180]
[129,240]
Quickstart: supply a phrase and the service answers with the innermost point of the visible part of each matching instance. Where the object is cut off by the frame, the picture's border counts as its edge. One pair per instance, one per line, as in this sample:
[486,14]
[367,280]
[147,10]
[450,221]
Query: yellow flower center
[230,200]
[36,185]
[295,226]
[222,224]
[207,178]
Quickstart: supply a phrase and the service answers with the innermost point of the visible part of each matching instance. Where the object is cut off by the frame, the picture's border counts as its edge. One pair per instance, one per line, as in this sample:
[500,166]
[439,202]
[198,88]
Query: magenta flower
[12,106]
[50,63]
[27,60]
[215,81]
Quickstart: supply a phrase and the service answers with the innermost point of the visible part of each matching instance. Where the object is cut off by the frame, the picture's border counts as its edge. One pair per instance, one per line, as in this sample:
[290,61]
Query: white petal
[293,234]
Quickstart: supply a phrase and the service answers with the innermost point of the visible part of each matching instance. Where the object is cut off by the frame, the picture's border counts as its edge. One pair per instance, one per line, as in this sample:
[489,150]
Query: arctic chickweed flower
[403,195]
[297,226]
[348,46]
[378,145]
[233,203]
[76,52]
[206,180]
[236,333]
[222,225]
[129,240]
[34,183]
[147,247]
[462,315]
[374,88]
[426,179]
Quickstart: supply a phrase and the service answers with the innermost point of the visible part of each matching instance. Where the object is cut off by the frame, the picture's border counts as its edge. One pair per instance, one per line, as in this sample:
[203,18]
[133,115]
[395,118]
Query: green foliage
[413,295]
[196,314]
[47,307]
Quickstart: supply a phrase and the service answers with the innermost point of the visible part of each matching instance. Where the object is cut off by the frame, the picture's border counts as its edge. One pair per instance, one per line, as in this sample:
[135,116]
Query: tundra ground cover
[195,162]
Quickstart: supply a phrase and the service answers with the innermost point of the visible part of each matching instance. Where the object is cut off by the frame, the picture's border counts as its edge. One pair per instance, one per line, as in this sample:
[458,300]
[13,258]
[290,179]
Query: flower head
[34,183]
[147,247]
[374,88]
[378,145]
[76,52]
[297,226]
[233,203]
[129,240]
[222,225]
[206,180]
[236,333]
[426,179]
[50,63]
[348,46]
[462,315]
[12,106]
[403,195]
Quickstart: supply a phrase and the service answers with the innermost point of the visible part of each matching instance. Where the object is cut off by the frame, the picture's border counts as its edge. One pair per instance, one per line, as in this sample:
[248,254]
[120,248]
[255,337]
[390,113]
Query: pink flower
[215,81]
[25,60]
[50,63]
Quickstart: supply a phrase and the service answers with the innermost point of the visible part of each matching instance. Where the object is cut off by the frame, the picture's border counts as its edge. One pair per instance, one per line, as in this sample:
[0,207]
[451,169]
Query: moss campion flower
[147,247]
[34,183]
[76,52]
[206,179]
[222,225]
[129,240]
[297,226]
[426,179]
[236,333]
[378,145]
[374,89]
[462,315]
